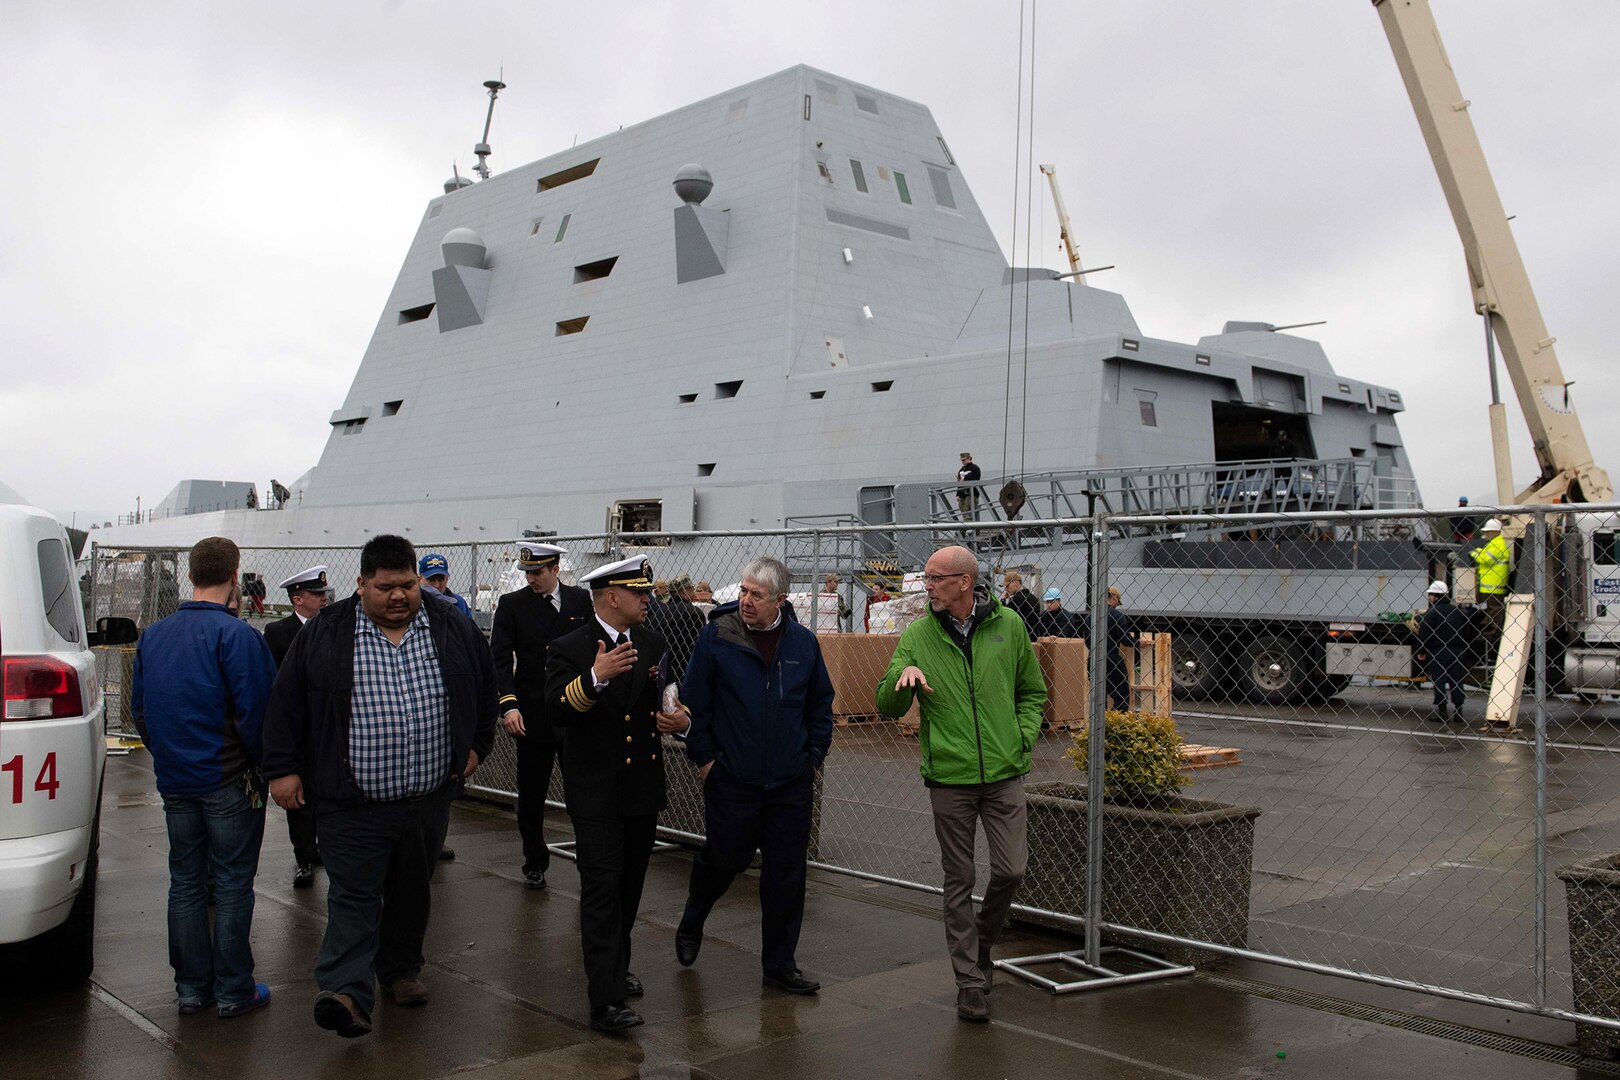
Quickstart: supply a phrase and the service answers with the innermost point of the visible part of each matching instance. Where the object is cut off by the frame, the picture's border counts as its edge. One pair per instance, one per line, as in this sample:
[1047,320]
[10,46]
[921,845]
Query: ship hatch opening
[636,516]
[1244,433]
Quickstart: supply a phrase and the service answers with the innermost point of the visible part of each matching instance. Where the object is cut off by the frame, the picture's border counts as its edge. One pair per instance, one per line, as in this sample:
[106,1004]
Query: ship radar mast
[481,149]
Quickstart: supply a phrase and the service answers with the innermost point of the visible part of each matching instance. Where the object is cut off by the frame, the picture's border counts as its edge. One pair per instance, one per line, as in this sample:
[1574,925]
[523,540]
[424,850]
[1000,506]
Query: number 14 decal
[46,780]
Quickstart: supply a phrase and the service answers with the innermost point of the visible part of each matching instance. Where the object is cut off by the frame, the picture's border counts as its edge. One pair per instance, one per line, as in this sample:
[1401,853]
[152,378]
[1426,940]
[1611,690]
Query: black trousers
[739,818]
[301,831]
[1447,672]
[612,861]
[379,858]
[534,762]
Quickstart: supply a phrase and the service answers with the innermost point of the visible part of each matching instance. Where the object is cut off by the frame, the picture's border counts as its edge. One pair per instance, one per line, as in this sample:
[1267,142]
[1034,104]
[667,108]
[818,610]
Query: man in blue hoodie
[761,710]
[201,681]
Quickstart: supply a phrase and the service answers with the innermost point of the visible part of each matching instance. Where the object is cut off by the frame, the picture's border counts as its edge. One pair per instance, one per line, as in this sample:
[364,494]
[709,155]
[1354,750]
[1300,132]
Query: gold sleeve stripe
[574,694]
[508,697]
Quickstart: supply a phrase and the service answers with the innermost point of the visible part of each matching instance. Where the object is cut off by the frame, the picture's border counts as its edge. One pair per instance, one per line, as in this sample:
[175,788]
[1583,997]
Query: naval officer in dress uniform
[605,684]
[526,623]
[308,592]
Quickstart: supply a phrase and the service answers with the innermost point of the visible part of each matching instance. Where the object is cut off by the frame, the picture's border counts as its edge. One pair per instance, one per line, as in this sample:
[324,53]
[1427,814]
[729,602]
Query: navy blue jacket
[201,681]
[764,727]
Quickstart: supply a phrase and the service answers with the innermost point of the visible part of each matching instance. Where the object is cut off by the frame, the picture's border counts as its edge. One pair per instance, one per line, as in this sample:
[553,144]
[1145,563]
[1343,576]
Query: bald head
[957,560]
[949,578]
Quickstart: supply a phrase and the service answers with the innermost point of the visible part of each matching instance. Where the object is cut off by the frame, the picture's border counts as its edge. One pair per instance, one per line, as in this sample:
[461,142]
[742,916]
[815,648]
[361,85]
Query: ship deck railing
[1292,485]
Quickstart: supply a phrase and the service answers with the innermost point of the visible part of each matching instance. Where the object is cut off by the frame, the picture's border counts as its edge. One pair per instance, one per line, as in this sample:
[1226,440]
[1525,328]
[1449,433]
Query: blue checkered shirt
[399,724]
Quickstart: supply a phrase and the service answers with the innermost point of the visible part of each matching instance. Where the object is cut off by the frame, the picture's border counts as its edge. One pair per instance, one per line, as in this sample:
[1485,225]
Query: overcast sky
[207,204]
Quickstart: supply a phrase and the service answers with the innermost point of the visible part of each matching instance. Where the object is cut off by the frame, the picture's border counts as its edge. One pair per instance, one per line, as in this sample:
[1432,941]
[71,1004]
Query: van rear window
[55,589]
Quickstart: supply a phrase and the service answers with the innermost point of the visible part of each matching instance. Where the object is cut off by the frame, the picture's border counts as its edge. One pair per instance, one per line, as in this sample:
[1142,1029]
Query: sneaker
[193,1007]
[261,998]
[534,879]
[447,854]
[304,876]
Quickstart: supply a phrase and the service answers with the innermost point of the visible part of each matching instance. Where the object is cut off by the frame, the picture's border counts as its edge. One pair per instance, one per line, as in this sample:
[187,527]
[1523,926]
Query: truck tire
[1195,667]
[1275,671]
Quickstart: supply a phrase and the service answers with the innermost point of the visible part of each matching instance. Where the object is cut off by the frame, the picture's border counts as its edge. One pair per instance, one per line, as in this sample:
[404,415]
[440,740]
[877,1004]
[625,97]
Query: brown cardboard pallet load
[1198,756]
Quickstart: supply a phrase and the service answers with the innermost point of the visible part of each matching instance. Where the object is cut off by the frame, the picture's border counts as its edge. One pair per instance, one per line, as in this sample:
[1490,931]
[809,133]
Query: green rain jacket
[985,712]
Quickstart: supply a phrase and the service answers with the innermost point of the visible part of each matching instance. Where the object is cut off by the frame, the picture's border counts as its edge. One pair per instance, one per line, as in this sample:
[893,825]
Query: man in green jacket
[981,697]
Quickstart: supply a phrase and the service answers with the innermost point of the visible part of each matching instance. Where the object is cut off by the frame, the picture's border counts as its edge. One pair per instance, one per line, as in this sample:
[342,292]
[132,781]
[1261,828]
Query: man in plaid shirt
[382,707]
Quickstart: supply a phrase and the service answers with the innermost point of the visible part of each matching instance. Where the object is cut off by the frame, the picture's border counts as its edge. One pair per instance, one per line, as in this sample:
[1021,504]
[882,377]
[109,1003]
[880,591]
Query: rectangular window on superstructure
[826,173]
[416,314]
[594,271]
[900,186]
[943,195]
[391,408]
[866,103]
[860,175]
[562,228]
[566,176]
[1149,417]
[949,160]
[572,326]
[727,389]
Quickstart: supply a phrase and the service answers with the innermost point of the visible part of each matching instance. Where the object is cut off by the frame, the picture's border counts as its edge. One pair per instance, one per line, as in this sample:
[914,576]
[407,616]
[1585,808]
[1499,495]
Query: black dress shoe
[534,879]
[792,981]
[615,1017]
[971,1006]
[303,876]
[632,986]
[687,944]
[447,854]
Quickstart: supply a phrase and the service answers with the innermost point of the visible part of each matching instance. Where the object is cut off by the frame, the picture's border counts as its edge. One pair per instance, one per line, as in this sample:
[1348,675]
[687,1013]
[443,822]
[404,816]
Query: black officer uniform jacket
[612,756]
[525,624]
[279,636]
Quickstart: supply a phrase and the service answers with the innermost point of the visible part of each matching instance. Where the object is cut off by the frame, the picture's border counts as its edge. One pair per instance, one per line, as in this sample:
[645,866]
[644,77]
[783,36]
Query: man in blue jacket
[761,705]
[200,684]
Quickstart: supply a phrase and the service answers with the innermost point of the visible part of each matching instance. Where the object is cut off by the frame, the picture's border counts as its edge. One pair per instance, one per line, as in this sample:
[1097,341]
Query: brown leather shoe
[971,1006]
[408,991]
[339,1013]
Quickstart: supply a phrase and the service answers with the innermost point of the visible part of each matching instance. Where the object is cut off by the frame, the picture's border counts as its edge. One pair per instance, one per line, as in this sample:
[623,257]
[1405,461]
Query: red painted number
[14,767]
[46,781]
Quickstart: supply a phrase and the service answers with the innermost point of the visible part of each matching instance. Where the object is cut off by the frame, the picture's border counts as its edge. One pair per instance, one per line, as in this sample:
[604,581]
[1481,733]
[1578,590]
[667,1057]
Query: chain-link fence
[1339,812]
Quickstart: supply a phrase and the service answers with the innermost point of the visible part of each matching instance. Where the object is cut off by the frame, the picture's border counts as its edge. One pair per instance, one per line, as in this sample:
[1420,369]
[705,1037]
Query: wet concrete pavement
[508,995]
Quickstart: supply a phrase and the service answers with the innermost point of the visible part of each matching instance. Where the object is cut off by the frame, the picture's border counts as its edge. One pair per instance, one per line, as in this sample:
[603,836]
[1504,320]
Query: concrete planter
[685,810]
[1183,868]
[1592,888]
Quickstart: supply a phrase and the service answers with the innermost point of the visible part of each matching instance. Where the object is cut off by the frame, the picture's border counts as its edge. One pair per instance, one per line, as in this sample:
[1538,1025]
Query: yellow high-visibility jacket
[1493,561]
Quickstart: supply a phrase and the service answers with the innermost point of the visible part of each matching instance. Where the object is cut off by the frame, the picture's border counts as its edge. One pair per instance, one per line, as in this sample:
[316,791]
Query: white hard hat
[1437,587]
[1491,525]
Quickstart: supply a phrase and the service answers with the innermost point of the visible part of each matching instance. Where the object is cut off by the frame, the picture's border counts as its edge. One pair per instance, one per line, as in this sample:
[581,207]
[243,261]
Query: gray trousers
[957,812]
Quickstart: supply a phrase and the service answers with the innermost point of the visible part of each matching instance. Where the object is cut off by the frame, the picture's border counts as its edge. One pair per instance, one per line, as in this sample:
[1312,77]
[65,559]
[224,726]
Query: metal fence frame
[1098,531]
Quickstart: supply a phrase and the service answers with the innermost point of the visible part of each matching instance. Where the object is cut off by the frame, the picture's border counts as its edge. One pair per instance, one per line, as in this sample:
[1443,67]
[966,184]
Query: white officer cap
[536,556]
[311,580]
[633,573]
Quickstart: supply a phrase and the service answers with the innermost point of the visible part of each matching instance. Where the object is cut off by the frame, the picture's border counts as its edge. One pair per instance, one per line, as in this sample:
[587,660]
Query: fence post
[1538,563]
[815,582]
[1097,606]
[90,600]
[473,588]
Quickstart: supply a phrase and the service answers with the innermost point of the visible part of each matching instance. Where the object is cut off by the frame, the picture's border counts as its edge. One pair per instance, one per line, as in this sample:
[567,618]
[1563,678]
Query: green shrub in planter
[1141,757]
[1171,864]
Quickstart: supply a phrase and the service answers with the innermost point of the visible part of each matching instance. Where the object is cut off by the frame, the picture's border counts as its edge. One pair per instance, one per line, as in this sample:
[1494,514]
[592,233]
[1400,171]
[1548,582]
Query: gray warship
[790,296]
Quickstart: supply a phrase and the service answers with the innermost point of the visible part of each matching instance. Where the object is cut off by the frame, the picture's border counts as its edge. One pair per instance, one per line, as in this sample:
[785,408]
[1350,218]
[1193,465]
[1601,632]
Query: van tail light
[41,688]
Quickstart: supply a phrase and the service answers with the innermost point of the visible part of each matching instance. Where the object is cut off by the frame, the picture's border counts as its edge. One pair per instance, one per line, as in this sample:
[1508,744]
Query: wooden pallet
[1195,756]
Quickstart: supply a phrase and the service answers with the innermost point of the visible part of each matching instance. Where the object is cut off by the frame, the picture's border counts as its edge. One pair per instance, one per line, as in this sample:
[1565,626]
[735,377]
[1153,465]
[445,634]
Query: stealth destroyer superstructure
[790,296]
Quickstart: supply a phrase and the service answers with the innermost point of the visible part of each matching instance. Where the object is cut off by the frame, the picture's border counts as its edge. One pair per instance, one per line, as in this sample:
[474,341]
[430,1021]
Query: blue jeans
[220,831]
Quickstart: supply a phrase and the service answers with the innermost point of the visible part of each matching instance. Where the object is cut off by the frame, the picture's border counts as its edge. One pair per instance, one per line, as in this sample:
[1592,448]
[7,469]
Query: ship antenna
[494,86]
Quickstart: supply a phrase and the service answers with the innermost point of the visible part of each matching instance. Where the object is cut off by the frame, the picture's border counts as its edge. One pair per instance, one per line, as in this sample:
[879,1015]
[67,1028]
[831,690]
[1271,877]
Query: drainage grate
[1422,1025]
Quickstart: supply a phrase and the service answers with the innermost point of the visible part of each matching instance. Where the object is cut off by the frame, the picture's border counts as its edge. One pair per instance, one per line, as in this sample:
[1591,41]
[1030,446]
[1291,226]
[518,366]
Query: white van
[52,752]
